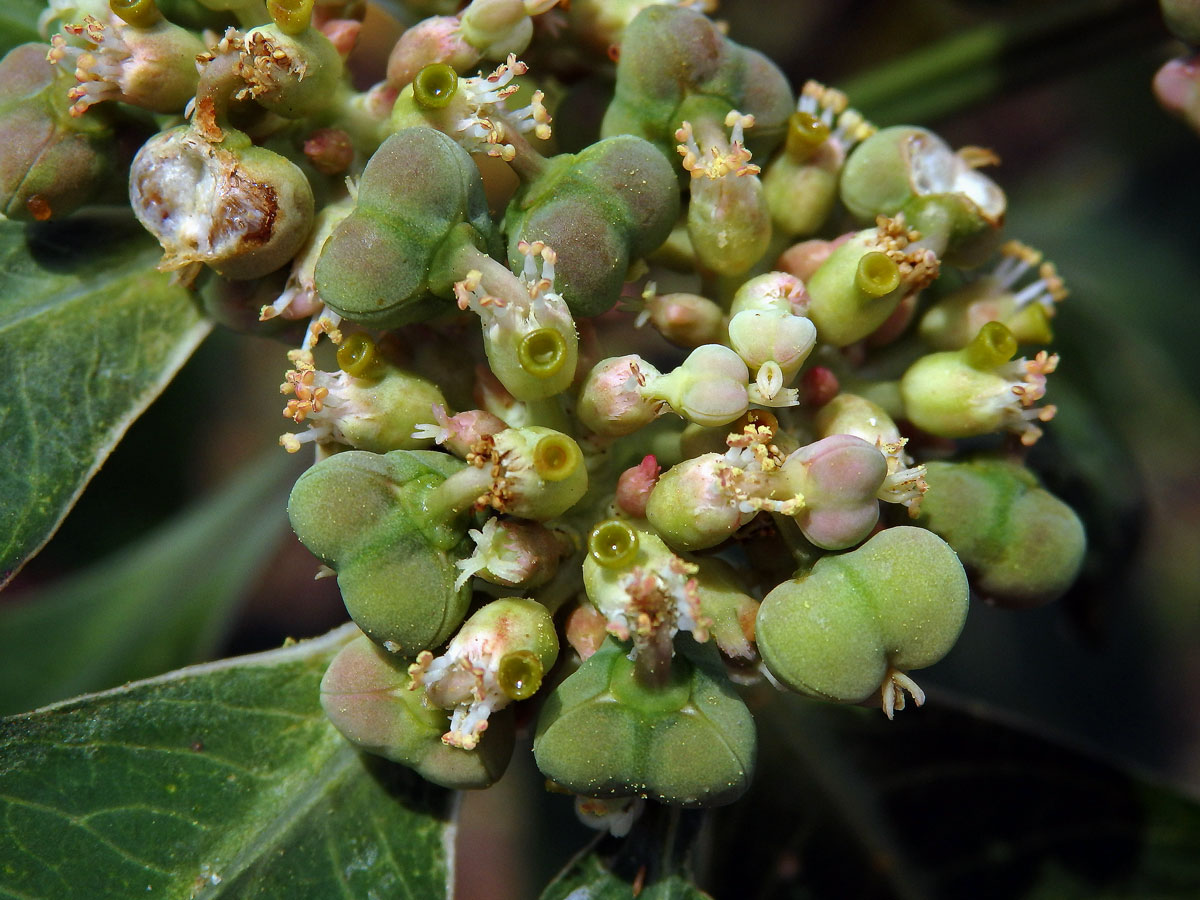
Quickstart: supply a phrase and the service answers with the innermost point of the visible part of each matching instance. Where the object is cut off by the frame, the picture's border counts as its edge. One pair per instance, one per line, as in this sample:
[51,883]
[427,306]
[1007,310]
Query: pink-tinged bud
[612,403]
[635,484]
[329,150]
[459,433]
[838,478]
[586,629]
[1177,87]
[686,320]
[513,553]
[342,33]
[804,258]
[818,386]
[434,40]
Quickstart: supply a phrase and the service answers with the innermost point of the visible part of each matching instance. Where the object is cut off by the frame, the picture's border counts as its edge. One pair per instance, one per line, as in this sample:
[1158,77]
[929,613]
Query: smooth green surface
[163,603]
[90,334]
[18,22]
[223,780]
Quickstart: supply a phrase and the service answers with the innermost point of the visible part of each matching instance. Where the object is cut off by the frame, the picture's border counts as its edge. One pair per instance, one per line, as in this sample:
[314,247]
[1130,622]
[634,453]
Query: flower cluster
[539,480]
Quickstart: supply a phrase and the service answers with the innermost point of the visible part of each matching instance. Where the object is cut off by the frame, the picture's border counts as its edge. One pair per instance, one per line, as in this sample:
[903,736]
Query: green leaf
[90,334]
[222,780]
[18,22]
[949,803]
[588,878]
[161,604]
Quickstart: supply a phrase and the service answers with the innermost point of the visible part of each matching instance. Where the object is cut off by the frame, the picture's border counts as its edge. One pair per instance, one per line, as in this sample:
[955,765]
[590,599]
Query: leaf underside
[90,334]
[222,780]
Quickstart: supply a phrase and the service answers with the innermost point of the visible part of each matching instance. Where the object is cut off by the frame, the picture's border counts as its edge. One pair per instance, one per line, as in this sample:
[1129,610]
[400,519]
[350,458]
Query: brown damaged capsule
[242,210]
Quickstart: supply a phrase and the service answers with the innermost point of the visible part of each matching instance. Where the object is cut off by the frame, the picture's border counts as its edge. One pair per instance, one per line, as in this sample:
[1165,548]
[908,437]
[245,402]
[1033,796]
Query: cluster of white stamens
[319,398]
[99,69]
[725,158]
[1047,289]
[1027,386]
[463,679]
[831,107]
[488,119]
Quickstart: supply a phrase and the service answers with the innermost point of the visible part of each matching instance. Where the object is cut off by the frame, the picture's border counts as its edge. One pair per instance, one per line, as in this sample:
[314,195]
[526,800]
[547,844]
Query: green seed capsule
[613,544]
[434,86]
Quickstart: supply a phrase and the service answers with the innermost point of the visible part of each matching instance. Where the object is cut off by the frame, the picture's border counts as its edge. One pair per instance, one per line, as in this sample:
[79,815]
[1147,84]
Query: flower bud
[686,320]
[611,402]
[635,484]
[512,553]
[499,655]
[851,627]
[51,163]
[979,389]
[1022,546]
[368,695]
[606,733]
[500,27]
[243,210]
[368,518]
[433,40]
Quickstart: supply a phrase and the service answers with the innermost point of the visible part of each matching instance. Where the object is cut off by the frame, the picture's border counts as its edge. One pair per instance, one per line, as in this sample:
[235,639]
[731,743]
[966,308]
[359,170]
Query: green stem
[959,71]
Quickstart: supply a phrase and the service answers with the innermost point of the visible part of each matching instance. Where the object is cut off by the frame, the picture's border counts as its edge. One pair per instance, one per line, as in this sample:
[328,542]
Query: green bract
[369,696]
[363,515]
[600,210]
[690,741]
[1022,545]
[420,196]
[896,603]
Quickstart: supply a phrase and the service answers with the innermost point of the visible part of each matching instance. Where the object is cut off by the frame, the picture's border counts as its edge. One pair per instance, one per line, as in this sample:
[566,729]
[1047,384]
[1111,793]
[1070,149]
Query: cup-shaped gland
[998,296]
[863,281]
[708,388]
[1022,546]
[242,210]
[850,628]
[612,402]
[528,331]
[801,183]
[676,65]
[646,593]
[500,27]
[136,57]
[906,169]
[369,696]
[728,222]
[837,481]
[420,196]
[51,162]
[530,472]
[431,41]
[368,517]
[473,111]
[499,655]
[979,389]
[293,72]
[600,210]
[851,414]
[514,553]
[605,732]
[370,404]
